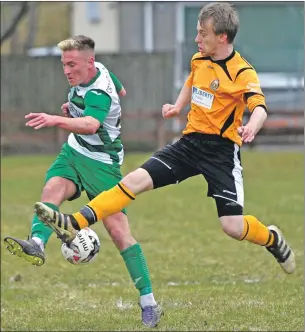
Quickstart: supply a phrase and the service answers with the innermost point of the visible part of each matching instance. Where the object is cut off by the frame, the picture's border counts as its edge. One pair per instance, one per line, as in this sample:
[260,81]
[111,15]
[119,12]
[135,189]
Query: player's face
[206,39]
[76,65]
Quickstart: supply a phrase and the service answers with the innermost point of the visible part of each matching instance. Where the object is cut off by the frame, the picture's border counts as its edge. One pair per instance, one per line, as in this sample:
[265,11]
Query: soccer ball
[83,249]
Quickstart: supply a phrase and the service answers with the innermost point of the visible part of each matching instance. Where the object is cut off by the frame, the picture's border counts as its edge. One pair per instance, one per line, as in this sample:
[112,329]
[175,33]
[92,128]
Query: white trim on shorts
[161,162]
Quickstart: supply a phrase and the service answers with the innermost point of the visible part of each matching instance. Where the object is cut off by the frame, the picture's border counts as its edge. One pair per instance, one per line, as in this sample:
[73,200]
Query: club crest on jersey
[214,85]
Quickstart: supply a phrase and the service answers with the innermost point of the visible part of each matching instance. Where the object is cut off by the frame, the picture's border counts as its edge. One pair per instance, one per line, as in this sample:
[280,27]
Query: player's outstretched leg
[281,251]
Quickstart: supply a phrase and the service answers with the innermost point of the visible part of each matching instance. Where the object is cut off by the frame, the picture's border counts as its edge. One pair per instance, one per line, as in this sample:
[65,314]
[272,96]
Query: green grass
[204,280]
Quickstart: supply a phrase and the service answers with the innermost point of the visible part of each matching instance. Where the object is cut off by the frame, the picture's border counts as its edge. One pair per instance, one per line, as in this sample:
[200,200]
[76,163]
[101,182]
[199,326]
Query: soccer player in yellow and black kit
[220,86]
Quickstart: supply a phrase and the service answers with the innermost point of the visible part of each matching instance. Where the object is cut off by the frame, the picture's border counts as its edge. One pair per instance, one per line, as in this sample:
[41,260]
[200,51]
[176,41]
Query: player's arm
[183,99]
[256,104]
[257,119]
[118,85]
[185,95]
[97,106]
[86,125]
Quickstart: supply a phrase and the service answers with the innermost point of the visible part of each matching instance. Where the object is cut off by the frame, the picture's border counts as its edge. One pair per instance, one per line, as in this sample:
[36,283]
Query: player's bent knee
[232,226]
[138,181]
[57,190]
[230,214]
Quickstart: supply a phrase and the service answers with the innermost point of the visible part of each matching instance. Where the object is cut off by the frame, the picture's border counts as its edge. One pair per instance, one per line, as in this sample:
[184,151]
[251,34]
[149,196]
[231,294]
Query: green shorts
[89,175]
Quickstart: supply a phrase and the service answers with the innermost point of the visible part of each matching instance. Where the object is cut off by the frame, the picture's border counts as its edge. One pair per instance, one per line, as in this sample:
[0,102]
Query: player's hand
[169,110]
[40,120]
[65,110]
[122,92]
[246,133]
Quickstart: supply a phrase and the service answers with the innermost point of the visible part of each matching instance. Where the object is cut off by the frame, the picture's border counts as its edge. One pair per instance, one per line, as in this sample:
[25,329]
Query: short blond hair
[225,19]
[80,43]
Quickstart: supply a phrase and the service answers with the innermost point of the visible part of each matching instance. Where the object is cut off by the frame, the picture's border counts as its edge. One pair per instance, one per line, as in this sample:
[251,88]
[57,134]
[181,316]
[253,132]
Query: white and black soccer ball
[83,249]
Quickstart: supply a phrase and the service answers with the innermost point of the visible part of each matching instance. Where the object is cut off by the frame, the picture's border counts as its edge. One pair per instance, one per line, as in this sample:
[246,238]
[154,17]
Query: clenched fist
[246,133]
[169,110]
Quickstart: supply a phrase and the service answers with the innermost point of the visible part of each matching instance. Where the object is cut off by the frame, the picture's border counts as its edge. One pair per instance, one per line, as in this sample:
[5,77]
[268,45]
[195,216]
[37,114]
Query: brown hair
[225,19]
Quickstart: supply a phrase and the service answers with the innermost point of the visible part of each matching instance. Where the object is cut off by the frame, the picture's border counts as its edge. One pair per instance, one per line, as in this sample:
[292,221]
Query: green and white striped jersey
[99,99]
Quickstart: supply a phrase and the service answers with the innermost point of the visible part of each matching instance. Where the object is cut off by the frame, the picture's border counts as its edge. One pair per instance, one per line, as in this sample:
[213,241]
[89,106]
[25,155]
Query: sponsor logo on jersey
[202,97]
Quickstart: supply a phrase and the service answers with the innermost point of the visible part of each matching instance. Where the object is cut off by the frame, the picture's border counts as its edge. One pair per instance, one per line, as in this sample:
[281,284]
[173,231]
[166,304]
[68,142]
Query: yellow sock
[105,204]
[81,220]
[256,232]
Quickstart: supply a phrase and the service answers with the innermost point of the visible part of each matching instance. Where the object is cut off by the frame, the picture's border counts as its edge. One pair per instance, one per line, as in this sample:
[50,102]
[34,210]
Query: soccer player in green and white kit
[90,160]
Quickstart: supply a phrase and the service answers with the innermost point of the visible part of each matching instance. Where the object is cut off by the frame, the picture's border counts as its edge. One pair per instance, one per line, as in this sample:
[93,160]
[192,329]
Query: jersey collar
[223,60]
[98,74]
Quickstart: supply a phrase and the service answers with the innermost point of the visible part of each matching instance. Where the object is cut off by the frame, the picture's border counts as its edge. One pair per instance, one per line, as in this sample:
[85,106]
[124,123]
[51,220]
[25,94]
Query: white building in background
[114,26]
[99,20]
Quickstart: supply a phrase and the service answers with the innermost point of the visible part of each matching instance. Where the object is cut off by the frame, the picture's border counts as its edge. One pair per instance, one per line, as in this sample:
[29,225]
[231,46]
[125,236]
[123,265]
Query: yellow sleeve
[189,80]
[251,91]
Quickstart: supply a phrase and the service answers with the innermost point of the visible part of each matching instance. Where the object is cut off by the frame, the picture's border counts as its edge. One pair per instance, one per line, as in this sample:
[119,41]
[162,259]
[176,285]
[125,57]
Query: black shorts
[216,158]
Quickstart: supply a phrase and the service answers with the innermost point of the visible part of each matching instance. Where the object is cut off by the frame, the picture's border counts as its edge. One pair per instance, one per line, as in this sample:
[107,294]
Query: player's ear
[90,62]
[223,37]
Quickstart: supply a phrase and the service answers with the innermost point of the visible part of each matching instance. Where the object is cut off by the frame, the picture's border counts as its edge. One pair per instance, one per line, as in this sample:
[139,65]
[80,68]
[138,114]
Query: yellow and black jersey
[221,90]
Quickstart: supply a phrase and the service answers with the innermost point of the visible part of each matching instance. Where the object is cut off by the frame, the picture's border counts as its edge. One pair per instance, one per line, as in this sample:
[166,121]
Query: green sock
[137,267]
[39,229]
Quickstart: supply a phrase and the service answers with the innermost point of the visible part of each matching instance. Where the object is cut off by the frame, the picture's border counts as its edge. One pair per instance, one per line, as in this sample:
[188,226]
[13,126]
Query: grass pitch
[204,280]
